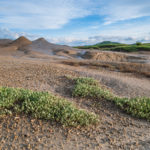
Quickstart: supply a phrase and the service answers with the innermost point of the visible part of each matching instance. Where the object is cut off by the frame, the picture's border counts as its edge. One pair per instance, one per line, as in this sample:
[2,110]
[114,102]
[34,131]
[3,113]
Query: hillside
[113,46]
[107,42]
[16,48]
[20,42]
[4,42]
[39,48]
[42,45]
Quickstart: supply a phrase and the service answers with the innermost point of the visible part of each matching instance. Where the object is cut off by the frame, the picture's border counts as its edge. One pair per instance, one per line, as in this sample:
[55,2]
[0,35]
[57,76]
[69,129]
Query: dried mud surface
[116,131]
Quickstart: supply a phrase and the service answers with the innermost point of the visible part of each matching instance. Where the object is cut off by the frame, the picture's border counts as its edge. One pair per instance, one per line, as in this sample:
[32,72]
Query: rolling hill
[114,46]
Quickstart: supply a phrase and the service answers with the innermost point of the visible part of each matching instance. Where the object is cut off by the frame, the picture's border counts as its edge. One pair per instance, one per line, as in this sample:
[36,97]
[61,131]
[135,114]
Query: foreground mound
[104,56]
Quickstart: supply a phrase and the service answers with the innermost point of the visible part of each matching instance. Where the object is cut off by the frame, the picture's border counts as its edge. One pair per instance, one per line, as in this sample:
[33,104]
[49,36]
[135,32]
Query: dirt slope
[16,48]
[4,42]
[104,56]
[20,42]
[8,50]
[43,46]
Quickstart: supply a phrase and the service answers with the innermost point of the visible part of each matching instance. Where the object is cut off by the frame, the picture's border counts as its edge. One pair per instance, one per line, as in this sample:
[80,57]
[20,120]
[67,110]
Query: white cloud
[7,34]
[46,14]
[96,39]
[127,33]
[125,9]
[53,14]
[73,41]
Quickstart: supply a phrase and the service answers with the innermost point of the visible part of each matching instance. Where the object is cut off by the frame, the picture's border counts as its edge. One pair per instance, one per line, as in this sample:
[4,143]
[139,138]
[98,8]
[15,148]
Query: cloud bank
[121,21]
[50,14]
[125,10]
[45,14]
[76,41]
[7,34]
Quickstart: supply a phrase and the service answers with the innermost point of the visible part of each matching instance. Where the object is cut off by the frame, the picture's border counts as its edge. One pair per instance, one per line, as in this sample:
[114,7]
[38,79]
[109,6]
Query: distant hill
[4,42]
[42,45]
[114,46]
[107,42]
[20,42]
[16,48]
[104,44]
[23,47]
[39,45]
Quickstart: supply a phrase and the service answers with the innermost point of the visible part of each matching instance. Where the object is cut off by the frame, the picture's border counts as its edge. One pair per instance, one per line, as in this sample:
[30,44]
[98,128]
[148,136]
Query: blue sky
[76,22]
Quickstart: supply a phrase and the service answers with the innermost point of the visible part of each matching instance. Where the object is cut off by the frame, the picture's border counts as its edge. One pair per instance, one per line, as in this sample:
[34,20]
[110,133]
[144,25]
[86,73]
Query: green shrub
[88,81]
[43,105]
[89,88]
[138,107]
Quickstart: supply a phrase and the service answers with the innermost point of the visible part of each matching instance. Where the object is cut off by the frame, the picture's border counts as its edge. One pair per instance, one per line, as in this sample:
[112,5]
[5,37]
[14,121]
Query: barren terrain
[27,66]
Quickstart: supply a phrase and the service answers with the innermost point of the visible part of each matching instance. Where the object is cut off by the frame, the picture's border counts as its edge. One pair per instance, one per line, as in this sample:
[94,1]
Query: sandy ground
[116,130]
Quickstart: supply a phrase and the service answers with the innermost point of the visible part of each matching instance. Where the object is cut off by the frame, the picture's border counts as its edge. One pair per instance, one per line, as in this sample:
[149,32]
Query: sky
[76,22]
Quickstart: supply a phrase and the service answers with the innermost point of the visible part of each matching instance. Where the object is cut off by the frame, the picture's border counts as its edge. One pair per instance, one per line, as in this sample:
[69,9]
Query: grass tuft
[43,105]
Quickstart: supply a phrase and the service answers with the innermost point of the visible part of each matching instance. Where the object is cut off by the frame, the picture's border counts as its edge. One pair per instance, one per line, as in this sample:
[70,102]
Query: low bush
[89,88]
[138,107]
[43,105]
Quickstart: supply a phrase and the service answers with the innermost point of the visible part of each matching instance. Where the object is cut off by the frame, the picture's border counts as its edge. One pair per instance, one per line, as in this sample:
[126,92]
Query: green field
[113,46]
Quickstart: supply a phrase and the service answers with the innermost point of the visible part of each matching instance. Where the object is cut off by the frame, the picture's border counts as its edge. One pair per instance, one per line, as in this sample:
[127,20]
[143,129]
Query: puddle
[81,54]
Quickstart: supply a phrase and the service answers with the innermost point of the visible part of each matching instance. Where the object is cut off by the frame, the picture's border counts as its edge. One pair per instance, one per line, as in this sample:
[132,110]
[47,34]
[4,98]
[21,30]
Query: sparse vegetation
[89,88]
[20,109]
[43,105]
[138,107]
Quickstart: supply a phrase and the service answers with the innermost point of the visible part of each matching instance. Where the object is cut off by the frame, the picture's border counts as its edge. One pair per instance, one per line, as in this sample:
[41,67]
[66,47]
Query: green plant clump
[43,105]
[89,88]
[138,107]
